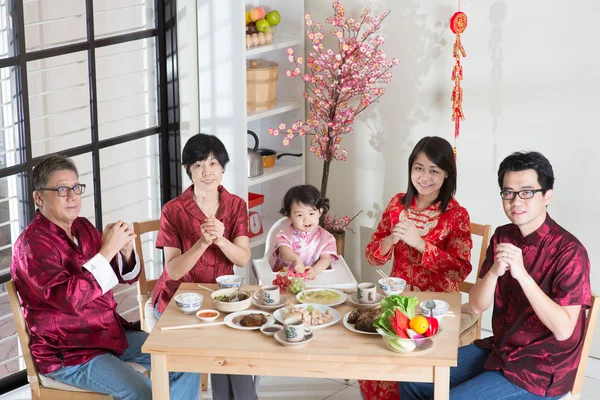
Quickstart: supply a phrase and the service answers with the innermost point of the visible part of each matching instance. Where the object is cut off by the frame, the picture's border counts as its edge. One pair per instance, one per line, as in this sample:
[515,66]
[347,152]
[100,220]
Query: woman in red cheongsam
[427,232]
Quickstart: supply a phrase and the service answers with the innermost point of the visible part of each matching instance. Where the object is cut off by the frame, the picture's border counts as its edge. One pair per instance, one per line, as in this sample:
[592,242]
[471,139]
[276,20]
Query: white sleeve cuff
[103,272]
[130,275]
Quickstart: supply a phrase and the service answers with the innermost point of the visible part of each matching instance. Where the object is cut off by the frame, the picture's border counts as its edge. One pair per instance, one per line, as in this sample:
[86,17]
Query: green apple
[262,25]
[273,17]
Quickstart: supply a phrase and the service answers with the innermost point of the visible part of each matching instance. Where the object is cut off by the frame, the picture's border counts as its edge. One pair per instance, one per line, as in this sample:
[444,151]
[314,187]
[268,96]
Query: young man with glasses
[537,275]
[65,270]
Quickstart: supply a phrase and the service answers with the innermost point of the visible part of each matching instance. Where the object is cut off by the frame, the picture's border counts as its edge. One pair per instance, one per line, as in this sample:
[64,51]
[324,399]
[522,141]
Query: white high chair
[338,276]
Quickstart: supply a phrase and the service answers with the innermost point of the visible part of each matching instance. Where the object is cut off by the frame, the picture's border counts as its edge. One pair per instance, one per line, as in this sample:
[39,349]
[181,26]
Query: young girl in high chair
[304,245]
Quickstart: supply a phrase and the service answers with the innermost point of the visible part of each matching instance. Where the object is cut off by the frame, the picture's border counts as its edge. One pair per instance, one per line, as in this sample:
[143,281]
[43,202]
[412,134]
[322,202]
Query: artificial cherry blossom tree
[339,84]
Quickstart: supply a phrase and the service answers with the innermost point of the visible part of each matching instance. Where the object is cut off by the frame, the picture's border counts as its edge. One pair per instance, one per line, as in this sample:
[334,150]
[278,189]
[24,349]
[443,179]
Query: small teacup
[366,293]
[268,295]
[296,331]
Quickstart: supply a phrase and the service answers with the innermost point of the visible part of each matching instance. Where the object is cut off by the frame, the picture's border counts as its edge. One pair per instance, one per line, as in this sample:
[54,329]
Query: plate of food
[328,297]
[248,320]
[361,321]
[316,316]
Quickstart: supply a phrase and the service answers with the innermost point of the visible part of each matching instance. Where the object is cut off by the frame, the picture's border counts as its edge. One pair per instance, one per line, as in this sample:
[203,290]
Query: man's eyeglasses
[63,191]
[524,194]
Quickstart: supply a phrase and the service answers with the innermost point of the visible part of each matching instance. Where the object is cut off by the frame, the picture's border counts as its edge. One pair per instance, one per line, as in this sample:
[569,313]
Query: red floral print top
[446,260]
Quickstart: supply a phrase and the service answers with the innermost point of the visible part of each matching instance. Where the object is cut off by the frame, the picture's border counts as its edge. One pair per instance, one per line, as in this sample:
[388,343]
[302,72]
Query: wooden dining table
[334,351]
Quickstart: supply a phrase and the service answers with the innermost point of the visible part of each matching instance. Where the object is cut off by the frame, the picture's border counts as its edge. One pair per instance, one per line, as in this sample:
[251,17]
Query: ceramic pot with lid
[255,162]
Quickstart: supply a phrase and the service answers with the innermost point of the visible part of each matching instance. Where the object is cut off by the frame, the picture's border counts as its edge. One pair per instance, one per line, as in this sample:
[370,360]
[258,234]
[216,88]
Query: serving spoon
[235,295]
[430,304]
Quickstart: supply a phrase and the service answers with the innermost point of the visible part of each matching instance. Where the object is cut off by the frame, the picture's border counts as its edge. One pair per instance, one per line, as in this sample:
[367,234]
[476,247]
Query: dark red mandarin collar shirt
[69,319]
[522,346]
[180,228]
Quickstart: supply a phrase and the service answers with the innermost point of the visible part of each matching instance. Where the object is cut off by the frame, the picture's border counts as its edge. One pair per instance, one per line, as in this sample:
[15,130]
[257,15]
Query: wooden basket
[261,84]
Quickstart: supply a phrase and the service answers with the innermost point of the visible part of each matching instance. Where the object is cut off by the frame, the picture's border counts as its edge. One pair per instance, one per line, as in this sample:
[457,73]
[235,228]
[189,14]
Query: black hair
[303,194]
[41,173]
[439,152]
[522,160]
[199,147]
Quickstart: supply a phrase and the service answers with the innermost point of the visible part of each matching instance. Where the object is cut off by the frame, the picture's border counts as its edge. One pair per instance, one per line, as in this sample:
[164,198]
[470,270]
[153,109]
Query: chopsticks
[205,288]
[172,328]
[388,280]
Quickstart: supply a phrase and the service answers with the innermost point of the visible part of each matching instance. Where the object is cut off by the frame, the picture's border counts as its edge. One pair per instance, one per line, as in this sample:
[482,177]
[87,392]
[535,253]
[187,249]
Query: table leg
[160,377]
[441,383]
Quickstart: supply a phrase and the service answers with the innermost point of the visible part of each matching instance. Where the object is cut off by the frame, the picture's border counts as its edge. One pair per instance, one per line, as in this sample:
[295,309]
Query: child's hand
[299,266]
[311,273]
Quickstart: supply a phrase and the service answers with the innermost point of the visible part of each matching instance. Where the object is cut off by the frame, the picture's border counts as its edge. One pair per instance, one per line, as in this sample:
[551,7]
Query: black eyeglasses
[63,191]
[524,194]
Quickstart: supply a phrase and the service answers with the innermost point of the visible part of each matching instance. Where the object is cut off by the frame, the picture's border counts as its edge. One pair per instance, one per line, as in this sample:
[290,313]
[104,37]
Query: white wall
[530,82]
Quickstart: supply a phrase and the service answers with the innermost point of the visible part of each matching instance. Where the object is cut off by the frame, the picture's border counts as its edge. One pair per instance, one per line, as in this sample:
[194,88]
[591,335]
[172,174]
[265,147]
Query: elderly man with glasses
[64,270]
[537,276]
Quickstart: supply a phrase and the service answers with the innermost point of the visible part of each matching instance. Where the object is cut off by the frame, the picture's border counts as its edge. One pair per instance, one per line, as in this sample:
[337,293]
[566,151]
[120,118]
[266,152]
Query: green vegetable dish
[226,299]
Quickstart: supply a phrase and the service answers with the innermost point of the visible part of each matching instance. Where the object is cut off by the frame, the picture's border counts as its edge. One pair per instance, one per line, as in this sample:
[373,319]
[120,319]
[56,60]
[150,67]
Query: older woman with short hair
[64,270]
[203,233]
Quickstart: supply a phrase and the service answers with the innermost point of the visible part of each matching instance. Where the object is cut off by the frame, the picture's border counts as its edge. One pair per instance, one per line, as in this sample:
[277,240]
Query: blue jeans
[110,375]
[468,380]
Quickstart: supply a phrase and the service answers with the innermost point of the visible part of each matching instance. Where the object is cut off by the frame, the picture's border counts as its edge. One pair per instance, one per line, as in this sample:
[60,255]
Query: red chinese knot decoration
[458,24]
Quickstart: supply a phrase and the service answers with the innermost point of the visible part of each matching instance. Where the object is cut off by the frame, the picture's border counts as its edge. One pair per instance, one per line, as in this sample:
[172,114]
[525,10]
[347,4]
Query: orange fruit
[419,324]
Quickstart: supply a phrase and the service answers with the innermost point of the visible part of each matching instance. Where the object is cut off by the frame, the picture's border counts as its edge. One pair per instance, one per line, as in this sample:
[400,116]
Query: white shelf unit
[281,106]
[222,59]
[279,42]
[281,168]
[267,223]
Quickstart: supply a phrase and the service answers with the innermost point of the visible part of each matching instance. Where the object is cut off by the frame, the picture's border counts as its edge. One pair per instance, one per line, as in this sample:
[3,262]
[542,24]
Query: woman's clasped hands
[212,231]
[408,233]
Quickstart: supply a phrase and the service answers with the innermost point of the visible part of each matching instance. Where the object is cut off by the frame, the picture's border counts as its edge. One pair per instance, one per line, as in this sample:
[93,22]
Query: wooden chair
[590,326]
[474,331]
[44,387]
[145,286]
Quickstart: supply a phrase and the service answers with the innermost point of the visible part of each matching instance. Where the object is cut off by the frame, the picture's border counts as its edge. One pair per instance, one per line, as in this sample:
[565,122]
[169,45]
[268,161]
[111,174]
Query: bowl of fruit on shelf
[260,26]
[401,330]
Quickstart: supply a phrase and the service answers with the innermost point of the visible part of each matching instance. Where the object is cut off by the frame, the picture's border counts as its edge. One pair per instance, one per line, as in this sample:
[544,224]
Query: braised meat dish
[363,319]
[252,320]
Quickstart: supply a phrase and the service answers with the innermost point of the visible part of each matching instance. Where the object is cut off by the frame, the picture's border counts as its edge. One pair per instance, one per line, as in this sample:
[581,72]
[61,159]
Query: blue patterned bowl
[189,303]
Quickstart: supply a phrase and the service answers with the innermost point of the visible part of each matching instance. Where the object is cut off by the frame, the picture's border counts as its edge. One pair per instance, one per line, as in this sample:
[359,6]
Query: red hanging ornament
[458,24]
